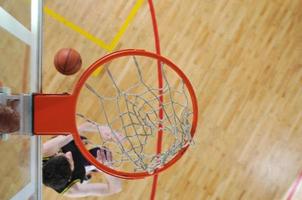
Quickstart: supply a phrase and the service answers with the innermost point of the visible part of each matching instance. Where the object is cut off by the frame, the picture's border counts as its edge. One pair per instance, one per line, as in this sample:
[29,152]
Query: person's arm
[51,147]
[93,189]
[104,130]
[112,186]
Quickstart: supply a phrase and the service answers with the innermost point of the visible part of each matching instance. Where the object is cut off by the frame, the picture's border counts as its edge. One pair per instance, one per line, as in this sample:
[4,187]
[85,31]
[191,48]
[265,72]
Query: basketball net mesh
[130,114]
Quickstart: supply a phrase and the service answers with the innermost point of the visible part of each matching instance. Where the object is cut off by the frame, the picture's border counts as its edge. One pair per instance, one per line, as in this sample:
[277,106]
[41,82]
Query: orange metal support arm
[53,114]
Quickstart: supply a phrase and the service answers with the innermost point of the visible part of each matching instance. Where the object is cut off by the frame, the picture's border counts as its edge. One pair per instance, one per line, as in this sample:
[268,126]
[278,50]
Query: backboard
[20,61]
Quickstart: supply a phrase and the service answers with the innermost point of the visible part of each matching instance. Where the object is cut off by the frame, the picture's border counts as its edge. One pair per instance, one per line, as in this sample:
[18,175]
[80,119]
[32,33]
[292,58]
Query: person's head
[9,119]
[57,170]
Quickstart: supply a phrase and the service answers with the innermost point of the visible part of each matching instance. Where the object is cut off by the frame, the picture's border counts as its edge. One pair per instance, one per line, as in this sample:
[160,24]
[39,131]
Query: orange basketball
[67,61]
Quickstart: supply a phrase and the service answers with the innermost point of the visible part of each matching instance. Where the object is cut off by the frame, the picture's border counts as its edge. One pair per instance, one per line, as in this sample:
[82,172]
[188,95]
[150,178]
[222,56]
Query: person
[67,172]
[9,118]
[9,115]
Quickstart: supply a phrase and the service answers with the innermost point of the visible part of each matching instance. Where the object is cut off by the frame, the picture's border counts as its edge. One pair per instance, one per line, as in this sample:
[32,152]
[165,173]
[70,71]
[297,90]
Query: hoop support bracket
[53,114]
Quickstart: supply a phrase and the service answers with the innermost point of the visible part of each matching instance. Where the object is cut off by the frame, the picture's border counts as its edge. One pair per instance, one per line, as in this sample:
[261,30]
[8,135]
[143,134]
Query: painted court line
[125,25]
[76,28]
[294,187]
[108,47]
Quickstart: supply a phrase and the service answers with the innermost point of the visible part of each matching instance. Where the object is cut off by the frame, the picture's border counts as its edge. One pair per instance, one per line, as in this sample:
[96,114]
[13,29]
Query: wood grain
[244,59]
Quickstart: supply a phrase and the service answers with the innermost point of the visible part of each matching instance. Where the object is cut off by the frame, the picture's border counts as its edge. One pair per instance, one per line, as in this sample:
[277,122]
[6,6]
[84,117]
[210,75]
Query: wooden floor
[244,59]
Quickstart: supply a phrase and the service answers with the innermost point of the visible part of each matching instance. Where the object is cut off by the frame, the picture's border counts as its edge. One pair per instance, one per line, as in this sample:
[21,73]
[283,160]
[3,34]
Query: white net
[119,110]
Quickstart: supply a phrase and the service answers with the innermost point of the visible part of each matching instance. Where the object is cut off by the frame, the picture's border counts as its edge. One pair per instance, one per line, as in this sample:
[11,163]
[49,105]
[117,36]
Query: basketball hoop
[122,107]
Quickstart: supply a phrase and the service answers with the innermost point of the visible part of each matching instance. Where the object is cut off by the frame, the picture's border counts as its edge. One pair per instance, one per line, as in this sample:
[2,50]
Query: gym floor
[244,59]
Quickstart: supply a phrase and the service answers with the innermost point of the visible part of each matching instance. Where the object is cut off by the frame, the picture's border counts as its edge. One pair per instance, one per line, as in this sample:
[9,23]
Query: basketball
[67,61]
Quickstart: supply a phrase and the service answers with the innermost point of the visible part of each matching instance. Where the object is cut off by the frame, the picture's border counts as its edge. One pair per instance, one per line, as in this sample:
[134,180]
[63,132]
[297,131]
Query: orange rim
[101,62]
[54,114]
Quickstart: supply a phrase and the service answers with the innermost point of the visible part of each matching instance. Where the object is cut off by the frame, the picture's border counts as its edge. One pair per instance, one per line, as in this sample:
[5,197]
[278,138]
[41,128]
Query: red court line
[294,187]
[160,85]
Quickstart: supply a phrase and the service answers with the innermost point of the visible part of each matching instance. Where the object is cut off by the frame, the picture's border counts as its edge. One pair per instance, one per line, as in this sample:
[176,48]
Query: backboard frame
[33,38]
